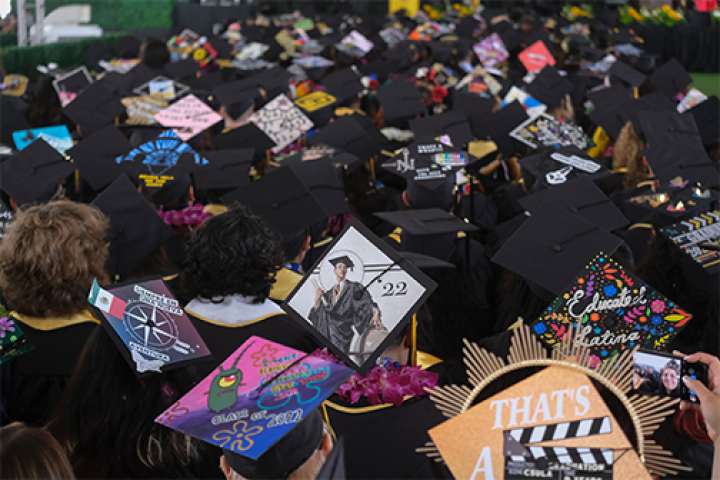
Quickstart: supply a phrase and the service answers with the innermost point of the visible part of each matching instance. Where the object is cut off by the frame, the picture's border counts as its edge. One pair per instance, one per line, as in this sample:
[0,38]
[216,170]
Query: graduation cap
[707,119]
[340,160]
[467,26]
[499,125]
[668,204]
[429,231]
[624,35]
[35,173]
[606,97]
[345,260]
[381,69]
[136,230]
[246,136]
[98,51]
[320,178]
[159,163]
[282,200]
[238,92]
[625,74]
[582,197]
[273,80]
[145,320]
[128,47]
[675,148]
[549,87]
[94,108]
[225,169]
[671,78]
[426,262]
[344,84]
[442,51]
[552,246]
[221,46]
[346,134]
[207,82]
[400,101]
[473,106]
[95,156]
[452,123]
[556,167]
[401,55]
[182,69]
[318,106]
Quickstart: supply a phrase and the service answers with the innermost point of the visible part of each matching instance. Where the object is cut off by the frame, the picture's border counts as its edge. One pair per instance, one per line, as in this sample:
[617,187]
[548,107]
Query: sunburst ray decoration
[483,367]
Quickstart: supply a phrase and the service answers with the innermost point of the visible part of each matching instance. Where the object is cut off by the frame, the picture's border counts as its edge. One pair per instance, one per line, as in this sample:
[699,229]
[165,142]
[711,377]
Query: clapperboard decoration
[698,239]
[553,424]
[148,325]
[360,285]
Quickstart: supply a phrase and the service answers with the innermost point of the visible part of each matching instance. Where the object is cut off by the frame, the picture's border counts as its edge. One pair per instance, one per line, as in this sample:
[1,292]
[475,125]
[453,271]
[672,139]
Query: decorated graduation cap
[551,247]
[675,148]
[262,383]
[400,101]
[549,87]
[318,106]
[281,121]
[169,89]
[582,197]
[57,136]
[95,156]
[707,119]
[148,326]
[159,163]
[188,117]
[136,230]
[282,200]
[670,203]
[226,169]
[382,291]
[94,108]
[671,78]
[556,167]
[346,134]
[35,173]
[453,123]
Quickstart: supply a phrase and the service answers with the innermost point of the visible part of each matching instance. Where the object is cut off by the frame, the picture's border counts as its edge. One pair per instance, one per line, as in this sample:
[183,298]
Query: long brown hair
[628,154]
[31,453]
[50,255]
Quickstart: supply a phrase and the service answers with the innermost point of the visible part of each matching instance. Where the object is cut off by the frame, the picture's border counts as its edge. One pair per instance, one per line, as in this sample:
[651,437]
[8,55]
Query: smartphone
[656,373]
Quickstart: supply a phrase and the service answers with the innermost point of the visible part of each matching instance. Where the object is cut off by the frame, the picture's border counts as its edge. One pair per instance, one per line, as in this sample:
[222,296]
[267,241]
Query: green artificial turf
[708,83]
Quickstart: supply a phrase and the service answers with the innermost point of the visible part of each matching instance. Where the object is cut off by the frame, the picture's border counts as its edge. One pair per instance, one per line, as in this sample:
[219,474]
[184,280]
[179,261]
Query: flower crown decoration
[388,382]
[192,215]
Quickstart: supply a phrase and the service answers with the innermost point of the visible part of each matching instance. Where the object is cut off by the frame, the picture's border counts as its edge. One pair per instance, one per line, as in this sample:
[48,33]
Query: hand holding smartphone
[656,373]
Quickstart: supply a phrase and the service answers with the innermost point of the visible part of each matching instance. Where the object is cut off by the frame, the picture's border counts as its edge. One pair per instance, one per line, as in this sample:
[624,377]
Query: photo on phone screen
[661,374]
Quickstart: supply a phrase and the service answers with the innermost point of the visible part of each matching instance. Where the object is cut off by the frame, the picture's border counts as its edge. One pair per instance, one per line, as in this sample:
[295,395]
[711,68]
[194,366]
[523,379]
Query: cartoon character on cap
[345,306]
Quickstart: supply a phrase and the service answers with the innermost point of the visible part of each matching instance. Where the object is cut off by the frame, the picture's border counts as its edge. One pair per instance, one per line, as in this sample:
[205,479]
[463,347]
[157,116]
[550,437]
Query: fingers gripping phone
[656,373]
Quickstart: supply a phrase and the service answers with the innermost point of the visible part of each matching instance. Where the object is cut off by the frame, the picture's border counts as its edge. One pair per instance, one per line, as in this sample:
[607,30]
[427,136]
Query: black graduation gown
[223,339]
[36,380]
[380,440]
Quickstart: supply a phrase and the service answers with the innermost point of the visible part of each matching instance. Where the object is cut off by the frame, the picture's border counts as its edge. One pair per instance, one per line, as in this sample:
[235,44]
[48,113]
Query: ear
[327,444]
[13,204]
[226,468]
[306,244]
[191,195]
[223,112]
[407,343]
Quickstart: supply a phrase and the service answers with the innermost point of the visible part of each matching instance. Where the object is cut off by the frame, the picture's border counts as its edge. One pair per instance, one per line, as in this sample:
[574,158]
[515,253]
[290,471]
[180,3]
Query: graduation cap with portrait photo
[360,284]
[260,405]
[148,326]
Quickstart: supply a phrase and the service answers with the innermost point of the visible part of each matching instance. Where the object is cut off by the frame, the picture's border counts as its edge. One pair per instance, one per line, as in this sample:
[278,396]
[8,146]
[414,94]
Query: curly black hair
[230,254]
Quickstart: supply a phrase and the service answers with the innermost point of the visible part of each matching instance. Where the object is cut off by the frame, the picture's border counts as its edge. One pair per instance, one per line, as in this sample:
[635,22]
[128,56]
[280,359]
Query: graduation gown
[380,440]
[285,282]
[223,338]
[36,380]
[334,320]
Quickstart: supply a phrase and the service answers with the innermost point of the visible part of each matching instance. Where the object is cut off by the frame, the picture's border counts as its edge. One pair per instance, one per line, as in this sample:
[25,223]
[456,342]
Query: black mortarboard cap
[97,51]
[442,51]
[401,55]
[675,148]
[381,69]
[286,456]
[553,246]
[346,134]
[538,166]
[334,467]
[431,221]
[671,78]
[467,26]
[12,118]
[236,92]
[499,125]
[400,101]
[510,36]
[549,87]
[582,197]
[34,173]
[247,136]
[282,200]
[320,178]
[453,123]
[128,47]
[273,80]
[207,82]
[473,106]
[135,231]
[338,159]
[344,259]
[625,74]
[95,156]
[95,108]
[182,69]
[624,35]
[226,169]
[707,119]
[603,98]
[221,46]
[344,84]
[426,262]
[666,205]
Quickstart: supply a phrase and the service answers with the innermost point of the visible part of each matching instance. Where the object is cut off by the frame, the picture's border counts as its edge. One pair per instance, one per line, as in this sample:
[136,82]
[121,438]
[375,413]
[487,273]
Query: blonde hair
[31,453]
[50,255]
[628,154]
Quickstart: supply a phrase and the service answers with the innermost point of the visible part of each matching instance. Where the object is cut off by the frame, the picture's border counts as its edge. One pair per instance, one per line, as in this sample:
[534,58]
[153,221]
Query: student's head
[155,53]
[105,419]
[299,455]
[670,375]
[49,257]
[628,154]
[30,453]
[230,254]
